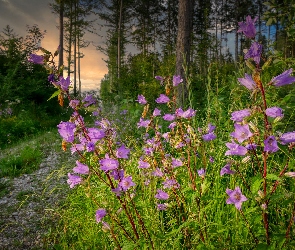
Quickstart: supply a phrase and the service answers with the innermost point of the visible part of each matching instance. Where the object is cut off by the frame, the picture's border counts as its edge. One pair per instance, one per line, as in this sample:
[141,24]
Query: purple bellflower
[235,197]
[169,117]
[161,207]
[141,99]
[248,27]
[161,195]
[66,131]
[202,172]
[209,137]
[283,79]
[81,168]
[226,170]
[242,132]
[143,123]
[100,213]
[160,78]
[239,115]
[64,83]
[96,134]
[162,99]
[270,144]
[274,112]
[88,100]
[247,82]
[170,183]
[177,80]
[176,163]
[287,138]
[74,103]
[143,164]
[73,180]
[235,149]
[108,164]
[36,59]
[122,152]
[126,183]
[254,52]
[156,112]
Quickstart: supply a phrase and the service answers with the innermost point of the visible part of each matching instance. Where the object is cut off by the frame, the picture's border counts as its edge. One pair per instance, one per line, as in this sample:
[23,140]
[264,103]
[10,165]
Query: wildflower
[51,78]
[169,117]
[96,134]
[209,137]
[141,99]
[226,170]
[176,163]
[143,123]
[73,180]
[248,27]
[77,147]
[235,197]
[88,100]
[287,138]
[211,159]
[247,82]
[108,164]
[283,79]
[274,112]
[148,150]
[170,183]
[117,191]
[290,174]
[100,213]
[105,226]
[126,183]
[156,112]
[235,149]
[251,146]
[188,113]
[177,80]
[160,78]
[36,59]
[66,131]
[122,152]
[161,207]
[162,99]
[270,144]
[118,174]
[74,103]
[172,125]
[239,115]
[143,164]
[90,147]
[254,52]
[241,132]
[161,195]
[64,83]
[95,113]
[158,173]
[81,168]
[202,172]
[211,128]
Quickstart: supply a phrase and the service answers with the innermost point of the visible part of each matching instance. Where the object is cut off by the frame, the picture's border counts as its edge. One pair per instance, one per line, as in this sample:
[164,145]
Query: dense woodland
[143,39]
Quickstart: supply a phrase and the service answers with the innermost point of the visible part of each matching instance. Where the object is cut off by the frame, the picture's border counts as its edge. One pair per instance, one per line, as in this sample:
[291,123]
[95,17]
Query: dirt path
[28,211]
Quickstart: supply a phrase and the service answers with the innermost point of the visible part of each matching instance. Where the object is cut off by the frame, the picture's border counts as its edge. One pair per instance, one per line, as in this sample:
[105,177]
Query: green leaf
[256,186]
[56,93]
[269,22]
[272,177]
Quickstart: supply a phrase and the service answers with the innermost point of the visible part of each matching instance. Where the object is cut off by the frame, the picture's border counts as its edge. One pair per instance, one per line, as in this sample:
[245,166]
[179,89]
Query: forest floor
[28,207]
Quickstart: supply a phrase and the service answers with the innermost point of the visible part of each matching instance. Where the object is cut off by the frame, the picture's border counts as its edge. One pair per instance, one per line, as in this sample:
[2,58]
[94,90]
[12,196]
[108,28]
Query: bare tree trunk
[79,66]
[61,36]
[70,40]
[185,16]
[119,40]
[75,50]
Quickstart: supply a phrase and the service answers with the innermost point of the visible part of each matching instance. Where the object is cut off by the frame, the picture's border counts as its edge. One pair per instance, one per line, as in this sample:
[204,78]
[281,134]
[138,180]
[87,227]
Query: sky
[20,13]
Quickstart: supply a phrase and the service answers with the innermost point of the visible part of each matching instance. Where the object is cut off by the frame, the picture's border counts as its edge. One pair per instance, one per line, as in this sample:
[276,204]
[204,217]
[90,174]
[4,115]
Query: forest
[189,141]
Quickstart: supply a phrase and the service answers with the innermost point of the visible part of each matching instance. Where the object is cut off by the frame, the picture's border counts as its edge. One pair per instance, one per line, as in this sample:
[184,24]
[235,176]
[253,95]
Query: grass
[26,161]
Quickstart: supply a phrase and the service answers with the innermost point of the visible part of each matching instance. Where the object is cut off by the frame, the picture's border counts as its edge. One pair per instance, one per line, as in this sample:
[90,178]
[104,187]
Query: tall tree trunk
[70,39]
[75,50]
[119,40]
[185,17]
[79,66]
[61,36]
